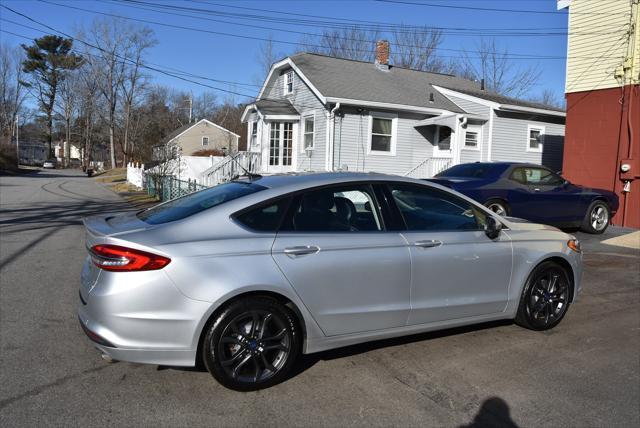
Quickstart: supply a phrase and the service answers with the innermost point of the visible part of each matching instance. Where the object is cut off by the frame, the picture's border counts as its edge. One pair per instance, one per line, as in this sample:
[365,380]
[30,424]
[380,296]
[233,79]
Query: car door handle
[430,243]
[536,189]
[301,250]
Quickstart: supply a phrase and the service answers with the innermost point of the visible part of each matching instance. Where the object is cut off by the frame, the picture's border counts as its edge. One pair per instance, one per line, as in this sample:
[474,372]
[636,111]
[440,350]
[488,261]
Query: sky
[232,57]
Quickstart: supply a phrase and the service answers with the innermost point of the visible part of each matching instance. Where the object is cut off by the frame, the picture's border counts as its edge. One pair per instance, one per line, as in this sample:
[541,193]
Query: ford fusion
[245,276]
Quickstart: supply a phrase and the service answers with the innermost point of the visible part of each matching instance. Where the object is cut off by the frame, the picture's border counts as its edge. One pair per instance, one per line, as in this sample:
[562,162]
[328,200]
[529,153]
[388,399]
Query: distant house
[316,112]
[602,147]
[198,136]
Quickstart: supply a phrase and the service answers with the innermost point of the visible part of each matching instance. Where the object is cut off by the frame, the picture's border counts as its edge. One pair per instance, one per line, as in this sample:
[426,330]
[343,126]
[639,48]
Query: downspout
[490,142]
[332,130]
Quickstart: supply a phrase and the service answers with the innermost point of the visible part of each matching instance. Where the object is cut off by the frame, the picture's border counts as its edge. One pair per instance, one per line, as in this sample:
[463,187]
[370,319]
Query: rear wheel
[251,344]
[545,298]
[597,219]
[498,206]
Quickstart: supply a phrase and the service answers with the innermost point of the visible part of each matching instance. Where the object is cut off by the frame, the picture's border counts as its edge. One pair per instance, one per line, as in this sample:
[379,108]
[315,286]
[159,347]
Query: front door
[351,274]
[456,270]
[281,155]
[442,150]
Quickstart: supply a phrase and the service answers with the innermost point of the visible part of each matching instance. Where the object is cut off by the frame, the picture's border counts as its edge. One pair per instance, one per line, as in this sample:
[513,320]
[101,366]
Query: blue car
[532,192]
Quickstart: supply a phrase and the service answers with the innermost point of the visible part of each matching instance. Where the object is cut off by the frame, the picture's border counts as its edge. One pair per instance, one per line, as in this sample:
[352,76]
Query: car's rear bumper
[140,317]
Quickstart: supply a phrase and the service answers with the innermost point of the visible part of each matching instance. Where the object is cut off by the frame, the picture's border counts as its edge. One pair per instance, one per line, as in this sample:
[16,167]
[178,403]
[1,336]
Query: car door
[351,274]
[552,200]
[456,270]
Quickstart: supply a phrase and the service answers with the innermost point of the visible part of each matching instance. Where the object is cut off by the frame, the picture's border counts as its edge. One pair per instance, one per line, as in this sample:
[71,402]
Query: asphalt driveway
[586,372]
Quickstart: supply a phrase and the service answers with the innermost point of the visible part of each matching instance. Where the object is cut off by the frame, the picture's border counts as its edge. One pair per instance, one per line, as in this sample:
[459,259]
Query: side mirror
[492,227]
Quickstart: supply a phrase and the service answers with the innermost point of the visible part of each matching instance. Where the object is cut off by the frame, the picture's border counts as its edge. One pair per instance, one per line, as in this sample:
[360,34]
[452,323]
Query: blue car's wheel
[597,219]
[498,206]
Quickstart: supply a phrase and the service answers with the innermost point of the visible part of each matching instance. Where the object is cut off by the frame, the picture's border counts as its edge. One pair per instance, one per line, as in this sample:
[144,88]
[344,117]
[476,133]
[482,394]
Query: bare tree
[266,56]
[351,43]
[67,106]
[416,48]
[548,97]
[12,93]
[493,64]
[205,105]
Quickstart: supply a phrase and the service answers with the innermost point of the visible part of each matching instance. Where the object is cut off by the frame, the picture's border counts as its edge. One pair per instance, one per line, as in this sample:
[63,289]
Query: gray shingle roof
[276,107]
[358,80]
[501,99]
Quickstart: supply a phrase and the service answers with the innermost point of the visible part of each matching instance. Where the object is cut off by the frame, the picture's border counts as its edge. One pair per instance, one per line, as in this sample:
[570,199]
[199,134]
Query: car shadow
[306,361]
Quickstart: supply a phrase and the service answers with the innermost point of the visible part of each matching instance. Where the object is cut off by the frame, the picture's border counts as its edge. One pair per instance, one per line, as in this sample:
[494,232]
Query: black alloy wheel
[252,344]
[546,297]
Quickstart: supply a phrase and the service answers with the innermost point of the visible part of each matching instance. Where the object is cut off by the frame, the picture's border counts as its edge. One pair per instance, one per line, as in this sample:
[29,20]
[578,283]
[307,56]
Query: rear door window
[266,217]
[194,203]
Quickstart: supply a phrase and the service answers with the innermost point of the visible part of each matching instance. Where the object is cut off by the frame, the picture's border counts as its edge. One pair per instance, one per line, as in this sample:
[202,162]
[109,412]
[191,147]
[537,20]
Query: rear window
[197,202]
[467,171]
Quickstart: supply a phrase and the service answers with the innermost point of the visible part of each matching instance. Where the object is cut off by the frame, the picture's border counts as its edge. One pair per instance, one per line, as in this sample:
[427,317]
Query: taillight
[121,259]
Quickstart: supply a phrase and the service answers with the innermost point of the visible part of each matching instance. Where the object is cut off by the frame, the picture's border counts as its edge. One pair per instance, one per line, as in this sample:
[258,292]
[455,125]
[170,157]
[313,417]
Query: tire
[251,344]
[544,302]
[597,218]
[498,206]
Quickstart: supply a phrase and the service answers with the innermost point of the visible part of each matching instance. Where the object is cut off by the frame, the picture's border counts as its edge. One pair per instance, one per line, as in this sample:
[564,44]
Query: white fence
[135,174]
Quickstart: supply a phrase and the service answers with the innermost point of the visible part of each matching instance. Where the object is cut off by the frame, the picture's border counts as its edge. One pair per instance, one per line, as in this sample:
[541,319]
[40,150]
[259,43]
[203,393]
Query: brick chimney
[382,54]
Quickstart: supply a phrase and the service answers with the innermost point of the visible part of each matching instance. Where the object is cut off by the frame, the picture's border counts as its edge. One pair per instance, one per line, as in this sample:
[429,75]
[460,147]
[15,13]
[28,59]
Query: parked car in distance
[75,163]
[246,275]
[532,192]
[50,163]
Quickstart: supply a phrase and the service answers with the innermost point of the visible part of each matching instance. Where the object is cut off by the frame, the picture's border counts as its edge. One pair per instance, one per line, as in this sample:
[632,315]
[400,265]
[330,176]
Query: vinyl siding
[306,102]
[598,42]
[352,144]
[191,140]
[474,108]
[510,140]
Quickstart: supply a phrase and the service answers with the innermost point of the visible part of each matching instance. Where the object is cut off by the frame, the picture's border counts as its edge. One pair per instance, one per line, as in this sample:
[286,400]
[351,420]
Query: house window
[472,137]
[309,123]
[535,140]
[254,134]
[288,82]
[205,141]
[382,134]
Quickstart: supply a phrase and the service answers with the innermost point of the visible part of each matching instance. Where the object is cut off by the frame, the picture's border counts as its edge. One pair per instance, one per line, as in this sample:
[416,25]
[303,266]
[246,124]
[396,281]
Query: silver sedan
[245,276]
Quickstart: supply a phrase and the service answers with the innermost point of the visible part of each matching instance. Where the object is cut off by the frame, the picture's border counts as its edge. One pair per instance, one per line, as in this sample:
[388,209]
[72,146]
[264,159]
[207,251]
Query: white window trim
[305,116]
[477,129]
[286,86]
[394,133]
[251,143]
[542,133]
[208,140]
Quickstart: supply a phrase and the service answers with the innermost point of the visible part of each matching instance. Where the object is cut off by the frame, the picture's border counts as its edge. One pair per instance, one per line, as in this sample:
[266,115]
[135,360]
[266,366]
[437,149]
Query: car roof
[309,179]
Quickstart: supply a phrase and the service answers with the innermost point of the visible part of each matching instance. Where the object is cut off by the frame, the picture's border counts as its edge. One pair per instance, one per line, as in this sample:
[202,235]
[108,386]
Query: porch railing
[429,167]
[232,166]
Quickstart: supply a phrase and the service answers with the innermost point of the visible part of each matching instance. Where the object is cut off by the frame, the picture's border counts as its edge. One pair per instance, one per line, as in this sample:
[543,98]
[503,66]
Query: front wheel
[545,298]
[252,344]
[597,219]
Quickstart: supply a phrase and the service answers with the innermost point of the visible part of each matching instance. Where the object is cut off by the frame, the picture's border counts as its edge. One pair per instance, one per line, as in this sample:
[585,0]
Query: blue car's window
[194,203]
[429,209]
[536,176]
[468,170]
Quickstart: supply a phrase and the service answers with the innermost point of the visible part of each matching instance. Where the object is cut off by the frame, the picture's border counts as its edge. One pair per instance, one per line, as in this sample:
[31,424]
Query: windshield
[194,203]
[469,170]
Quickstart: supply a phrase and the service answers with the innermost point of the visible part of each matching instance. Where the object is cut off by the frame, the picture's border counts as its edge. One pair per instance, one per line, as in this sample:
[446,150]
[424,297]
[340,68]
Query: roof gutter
[510,107]
[390,106]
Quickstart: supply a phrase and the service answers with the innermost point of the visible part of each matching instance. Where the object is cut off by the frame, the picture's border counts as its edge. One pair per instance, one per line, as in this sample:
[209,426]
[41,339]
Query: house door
[281,150]
[442,150]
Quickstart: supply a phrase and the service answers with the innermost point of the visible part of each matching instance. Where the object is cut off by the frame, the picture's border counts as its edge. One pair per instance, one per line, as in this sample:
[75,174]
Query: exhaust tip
[107,358]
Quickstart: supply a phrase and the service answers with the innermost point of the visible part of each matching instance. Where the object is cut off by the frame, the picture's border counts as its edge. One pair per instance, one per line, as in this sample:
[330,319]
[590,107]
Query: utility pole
[190,106]
[17,140]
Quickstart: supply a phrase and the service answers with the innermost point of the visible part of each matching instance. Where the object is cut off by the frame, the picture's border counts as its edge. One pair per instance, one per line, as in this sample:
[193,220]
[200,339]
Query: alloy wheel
[549,297]
[497,208]
[599,217]
[254,346]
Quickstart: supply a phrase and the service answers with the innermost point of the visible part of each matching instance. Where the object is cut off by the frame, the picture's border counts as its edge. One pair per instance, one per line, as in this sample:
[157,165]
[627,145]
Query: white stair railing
[232,166]
[429,167]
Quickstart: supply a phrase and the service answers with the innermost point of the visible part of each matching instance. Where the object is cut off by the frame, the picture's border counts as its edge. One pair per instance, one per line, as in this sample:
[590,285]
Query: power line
[489,9]
[312,45]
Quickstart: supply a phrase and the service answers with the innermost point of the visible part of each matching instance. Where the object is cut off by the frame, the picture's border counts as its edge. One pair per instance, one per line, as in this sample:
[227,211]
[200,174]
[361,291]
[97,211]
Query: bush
[208,152]
[8,159]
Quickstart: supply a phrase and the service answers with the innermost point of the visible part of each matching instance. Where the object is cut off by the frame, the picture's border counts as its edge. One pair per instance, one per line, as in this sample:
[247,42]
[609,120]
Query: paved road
[583,373]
